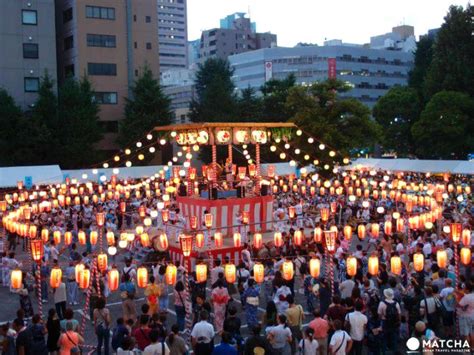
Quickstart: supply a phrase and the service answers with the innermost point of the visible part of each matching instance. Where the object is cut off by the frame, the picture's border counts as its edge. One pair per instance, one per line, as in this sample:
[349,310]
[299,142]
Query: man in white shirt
[466,313]
[202,335]
[156,347]
[357,323]
[216,270]
[341,342]
[346,287]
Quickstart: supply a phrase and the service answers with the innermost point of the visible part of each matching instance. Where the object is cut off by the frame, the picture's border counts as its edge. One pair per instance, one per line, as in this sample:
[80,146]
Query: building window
[67,15]
[69,71]
[107,41]
[30,50]
[31,84]
[147,19]
[102,69]
[136,72]
[105,98]
[148,45]
[135,44]
[109,126]
[68,43]
[134,18]
[104,13]
[29,17]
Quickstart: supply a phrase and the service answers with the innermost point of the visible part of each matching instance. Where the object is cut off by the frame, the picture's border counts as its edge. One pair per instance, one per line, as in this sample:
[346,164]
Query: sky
[313,21]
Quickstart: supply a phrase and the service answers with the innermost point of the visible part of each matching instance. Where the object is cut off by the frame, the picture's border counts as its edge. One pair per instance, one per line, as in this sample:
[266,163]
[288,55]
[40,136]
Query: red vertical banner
[332,68]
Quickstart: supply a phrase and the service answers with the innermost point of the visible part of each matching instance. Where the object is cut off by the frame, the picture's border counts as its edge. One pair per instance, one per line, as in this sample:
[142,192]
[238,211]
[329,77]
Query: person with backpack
[69,341]
[38,332]
[156,347]
[390,312]
[119,333]
[102,321]
[431,310]
[128,290]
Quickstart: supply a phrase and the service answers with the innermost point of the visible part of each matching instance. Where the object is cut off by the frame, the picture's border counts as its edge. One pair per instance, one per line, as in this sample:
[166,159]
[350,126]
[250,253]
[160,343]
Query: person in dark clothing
[53,326]
[256,341]
[119,334]
[24,339]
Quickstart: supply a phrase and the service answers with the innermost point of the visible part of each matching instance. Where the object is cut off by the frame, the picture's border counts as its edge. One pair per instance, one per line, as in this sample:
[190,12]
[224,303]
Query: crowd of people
[304,314]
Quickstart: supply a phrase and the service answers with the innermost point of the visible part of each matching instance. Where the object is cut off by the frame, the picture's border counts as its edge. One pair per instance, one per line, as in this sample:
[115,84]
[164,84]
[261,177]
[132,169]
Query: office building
[110,41]
[172,34]
[178,85]
[236,35]
[193,53]
[27,37]
[371,72]
[401,38]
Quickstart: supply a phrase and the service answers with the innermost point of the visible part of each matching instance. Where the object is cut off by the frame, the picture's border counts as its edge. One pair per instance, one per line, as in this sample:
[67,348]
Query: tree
[79,129]
[445,129]
[275,93]
[148,107]
[396,112]
[343,124]
[452,67]
[10,116]
[423,58]
[215,93]
[250,107]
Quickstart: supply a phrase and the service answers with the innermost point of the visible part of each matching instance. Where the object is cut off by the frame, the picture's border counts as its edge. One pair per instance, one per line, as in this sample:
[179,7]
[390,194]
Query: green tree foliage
[148,107]
[10,116]
[445,129]
[250,107]
[78,125]
[452,67]
[215,93]
[275,93]
[396,112]
[423,57]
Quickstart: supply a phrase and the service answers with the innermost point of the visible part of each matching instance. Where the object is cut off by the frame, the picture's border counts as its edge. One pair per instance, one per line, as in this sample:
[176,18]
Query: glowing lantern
[351,266]
[208,220]
[324,214]
[218,242]
[252,170]
[165,215]
[102,262]
[242,171]
[375,230]
[16,279]
[84,278]
[145,240]
[201,273]
[164,241]
[373,265]
[348,232]
[142,211]
[45,235]
[291,212]
[418,262]
[400,225]
[387,228]
[245,217]
[288,270]
[237,240]
[81,236]
[170,274]
[57,237]
[77,271]
[330,238]
[442,258]
[93,237]
[110,238]
[142,277]
[314,267]
[361,231]
[37,250]
[466,256]
[466,237]
[396,265]
[257,241]
[193,221]
[258,273]
[298,238]
[277,239]
[100,218]
[456,231]
[199,240]
[318,235]
[55,277]
[113,279]
[186,244]
[229,272]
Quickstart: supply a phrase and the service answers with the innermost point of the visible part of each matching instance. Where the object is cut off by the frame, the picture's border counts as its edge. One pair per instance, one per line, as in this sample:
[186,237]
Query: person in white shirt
[341,342]
[466,313]
[216,270]
[357,322]
[346,287]
[156,347]
[53,251]
[202,335]
[308,345]
[60,300]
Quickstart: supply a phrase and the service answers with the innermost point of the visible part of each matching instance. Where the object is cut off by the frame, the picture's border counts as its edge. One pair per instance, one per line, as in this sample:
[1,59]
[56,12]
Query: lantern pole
[38,289]
[257,161]
[229,153]
[214,166]
[188,303]
[189,180]
[86,304]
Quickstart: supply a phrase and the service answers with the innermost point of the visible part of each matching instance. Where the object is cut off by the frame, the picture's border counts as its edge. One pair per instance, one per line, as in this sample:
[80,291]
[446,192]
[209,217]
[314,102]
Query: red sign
[332,68]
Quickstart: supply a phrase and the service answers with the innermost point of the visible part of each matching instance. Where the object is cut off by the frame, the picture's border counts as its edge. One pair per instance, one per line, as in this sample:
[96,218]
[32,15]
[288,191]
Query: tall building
[27,38]
[178,85]
[172,34]
[237,34]
[110,41]
[370,72]
[193,53]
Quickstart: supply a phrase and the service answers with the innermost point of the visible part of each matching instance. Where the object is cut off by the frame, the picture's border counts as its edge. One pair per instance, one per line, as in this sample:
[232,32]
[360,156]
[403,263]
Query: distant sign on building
[332,68]
[268,71]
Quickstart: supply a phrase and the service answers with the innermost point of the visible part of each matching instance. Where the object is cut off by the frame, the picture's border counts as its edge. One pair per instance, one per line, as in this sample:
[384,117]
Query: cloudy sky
[314,20]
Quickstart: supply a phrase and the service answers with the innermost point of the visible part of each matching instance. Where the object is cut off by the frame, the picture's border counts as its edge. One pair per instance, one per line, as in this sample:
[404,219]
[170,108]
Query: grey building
[238,35]
[27,37]
[172,34]
[371,72]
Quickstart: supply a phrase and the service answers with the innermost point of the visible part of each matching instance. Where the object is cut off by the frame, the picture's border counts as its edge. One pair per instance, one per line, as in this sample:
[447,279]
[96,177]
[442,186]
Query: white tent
[42,174]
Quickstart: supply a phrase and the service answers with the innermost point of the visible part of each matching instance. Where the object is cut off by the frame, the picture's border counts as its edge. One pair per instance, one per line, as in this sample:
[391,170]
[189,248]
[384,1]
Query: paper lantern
[55,277]
[314,267]
[387,228]
[229,272]
[102,262]
[348,232]
[373,265]
[252,170]
[165,215]
[259,273]
[318,235]
[201,273]
[375,230]
[113,279]
[442,258]
[141,210]
[418,262]
[57,237]
[145,240]
[110,238]
[396,265]
[84,278]
[257,241]
[351,266]
[456,231]
[164,242]
[208,220]
[245,217]
[288,270]
[324,214]
[400,225]
[93,237]
[16,279]
[45,235]
[37,250]
[32,231]
[218,241]
[291,212]
[330,239]
[170,274]
[199,240]
[100,218]
[298,238]
[142,277]
[277,239]
[81,236]
[466,237]
[237,240]
[77,271]
[242,171]
[186,244]
[361,231]
[466,256]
